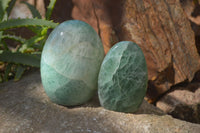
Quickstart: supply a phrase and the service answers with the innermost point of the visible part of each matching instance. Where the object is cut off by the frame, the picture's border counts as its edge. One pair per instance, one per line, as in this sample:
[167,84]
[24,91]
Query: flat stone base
[25,108]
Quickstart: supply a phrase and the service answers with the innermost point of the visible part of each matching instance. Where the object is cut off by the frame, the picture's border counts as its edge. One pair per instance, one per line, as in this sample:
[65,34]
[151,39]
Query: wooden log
[160,28]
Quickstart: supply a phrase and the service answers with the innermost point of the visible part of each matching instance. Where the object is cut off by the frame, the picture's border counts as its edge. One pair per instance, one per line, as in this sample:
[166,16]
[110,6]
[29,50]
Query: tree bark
[160,28]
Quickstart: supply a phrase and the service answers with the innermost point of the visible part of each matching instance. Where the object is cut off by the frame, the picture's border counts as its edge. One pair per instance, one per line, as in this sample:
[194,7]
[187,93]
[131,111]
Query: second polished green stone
[123,78]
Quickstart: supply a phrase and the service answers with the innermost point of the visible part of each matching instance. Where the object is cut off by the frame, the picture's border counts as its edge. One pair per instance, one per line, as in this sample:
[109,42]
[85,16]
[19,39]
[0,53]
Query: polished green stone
[70,63]
[122,81]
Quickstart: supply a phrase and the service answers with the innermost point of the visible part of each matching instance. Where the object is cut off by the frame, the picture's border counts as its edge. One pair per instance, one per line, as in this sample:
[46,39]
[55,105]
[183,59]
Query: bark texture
[160,28]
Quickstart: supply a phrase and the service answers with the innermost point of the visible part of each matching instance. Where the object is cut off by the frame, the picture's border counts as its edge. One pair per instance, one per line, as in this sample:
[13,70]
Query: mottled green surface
[123,78]
[70,63]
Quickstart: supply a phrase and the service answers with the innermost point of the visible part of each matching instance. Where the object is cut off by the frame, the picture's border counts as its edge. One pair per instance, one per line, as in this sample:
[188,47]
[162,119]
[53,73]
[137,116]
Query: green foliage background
[27,54]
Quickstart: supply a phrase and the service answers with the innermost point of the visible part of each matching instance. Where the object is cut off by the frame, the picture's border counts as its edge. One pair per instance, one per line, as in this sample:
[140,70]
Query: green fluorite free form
[123,78]
[70,63]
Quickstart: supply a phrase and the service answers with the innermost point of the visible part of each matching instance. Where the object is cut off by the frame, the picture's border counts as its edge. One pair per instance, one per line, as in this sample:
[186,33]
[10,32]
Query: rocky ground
[182,103]
[24,107]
